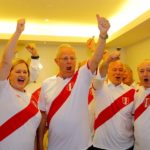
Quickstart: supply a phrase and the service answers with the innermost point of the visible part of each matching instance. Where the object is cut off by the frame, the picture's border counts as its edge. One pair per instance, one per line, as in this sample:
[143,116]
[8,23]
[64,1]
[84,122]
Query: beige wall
[47,53]
[131,55]
[136,53]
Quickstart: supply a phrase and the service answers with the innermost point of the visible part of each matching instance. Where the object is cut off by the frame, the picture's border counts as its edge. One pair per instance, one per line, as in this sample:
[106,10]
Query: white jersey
[135,85]
[35,68]
[142,123]
[117,132]
[11,103]
[92,115]
[69,128]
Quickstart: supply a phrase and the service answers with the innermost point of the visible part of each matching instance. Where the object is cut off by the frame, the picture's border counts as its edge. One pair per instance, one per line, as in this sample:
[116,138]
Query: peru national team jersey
[117,132]
[69,128]
[11,103]
[142,123]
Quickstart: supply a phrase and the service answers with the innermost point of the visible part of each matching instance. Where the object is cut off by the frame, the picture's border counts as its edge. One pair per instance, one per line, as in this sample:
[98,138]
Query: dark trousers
[95,148]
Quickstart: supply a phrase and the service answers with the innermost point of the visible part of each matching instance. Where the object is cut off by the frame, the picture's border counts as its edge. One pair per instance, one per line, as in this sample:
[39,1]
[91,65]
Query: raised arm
[35,64]
[31,48]
[91,44]
[103,25]
[107,58]
[10,50]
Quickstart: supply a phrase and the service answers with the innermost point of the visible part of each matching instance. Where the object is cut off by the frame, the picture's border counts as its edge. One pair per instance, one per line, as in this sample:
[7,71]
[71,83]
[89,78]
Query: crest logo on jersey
[70,87]
[125,100]
[147,102]
[34,103]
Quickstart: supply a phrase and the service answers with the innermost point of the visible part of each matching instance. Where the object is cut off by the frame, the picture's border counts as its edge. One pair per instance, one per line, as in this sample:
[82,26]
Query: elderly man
[142,111]
[64,98]
[128,77]
[114,103]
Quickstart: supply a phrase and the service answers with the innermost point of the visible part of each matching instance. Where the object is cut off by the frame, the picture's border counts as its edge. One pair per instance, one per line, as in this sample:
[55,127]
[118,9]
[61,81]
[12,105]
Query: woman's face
[19,76]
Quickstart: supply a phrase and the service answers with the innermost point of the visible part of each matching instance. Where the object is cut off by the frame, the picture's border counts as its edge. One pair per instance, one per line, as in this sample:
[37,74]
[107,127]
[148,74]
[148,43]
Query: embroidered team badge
[147,102]
[69,87]
[34,103]
[125,100]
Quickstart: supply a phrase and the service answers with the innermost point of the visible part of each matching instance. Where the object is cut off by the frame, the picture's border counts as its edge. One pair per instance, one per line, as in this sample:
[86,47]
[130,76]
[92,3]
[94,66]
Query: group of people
[62,107]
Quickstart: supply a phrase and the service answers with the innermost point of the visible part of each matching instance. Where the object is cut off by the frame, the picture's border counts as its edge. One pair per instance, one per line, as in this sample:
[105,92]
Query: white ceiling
[73,12]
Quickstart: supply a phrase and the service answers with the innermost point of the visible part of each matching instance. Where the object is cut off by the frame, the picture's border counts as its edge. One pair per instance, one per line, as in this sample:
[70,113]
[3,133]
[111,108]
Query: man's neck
[64,76]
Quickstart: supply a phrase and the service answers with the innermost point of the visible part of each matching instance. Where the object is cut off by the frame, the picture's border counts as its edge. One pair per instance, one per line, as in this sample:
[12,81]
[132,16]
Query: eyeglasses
[68,58]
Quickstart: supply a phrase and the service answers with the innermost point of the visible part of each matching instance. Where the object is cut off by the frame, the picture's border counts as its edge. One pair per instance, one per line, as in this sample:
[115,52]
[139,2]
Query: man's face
[115,72]
[127,77]
[19,76]
[66,62]
[144,74]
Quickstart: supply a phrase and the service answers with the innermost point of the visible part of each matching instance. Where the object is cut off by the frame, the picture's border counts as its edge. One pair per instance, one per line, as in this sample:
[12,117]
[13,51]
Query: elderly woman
[19,115]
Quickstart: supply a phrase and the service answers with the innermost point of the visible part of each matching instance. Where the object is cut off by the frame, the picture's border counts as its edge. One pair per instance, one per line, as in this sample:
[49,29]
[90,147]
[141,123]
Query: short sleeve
[42,100]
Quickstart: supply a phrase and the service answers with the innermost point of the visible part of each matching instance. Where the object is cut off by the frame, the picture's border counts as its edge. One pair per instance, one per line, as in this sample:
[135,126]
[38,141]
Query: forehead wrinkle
[115,64]
[145,63]
[65,49]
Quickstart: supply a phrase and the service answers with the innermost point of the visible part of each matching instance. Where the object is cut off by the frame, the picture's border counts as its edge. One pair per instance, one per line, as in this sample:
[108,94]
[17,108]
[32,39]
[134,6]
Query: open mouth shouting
[68,68]
[21,80]
[146,80]
[118,78]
